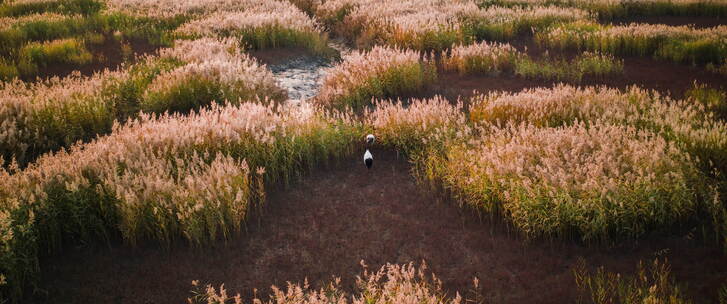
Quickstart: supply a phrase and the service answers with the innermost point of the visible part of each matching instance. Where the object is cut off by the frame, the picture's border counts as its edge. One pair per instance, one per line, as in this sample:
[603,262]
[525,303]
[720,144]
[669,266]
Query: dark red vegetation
[323,226]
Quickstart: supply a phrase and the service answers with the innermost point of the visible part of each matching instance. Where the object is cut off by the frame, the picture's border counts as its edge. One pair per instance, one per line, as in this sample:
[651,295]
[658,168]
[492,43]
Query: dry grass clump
[501,23]
[11,22]
[266,24]
[419,123]
[172,8]
[433,24]
[162,179]
[35,35]
[18,8]
[596,163]
[675,43]
[47,115]
[17,32]
[714,100]
[216,71]
[402,284]
[586,64]
[690,125]
[689,132]
[611,9]
[652,285]
[720,69]
[308,6]
[544,107]
[43,116]
[596,180]
[421,25]
[380,72]
[493,59]
[35,56]
[480,58]
[200,8]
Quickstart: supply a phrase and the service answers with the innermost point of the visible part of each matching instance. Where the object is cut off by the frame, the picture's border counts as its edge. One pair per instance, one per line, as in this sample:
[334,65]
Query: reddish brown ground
[336,217]
[107,55]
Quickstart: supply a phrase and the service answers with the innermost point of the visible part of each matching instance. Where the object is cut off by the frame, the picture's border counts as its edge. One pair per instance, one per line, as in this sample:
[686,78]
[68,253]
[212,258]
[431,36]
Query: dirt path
[325,225]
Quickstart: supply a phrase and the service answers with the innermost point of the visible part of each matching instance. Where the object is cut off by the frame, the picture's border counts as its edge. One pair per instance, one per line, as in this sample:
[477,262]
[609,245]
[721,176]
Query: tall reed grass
[654,284]
[612,9]
[596,180]
[683,125]
[35,56]
[390,284]
[163,178]
[418,125]
[595,163]
[15,8]
[714,100]
[216,70]
[267,24]
[50,26]
[16,32]
[494,59]
[434,25]
[500,23]
[191,9]
[48,115]
[586,64]
[421,25]
[28,43]
[690,124]
[381,72]
[481,58]
[693,127]
[683,44]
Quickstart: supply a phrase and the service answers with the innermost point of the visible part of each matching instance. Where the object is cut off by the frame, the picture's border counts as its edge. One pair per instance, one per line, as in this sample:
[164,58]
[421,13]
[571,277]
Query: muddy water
[301,76]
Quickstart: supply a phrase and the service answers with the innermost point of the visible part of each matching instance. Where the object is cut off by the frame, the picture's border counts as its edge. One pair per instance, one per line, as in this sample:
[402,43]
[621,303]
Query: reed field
[563,131]
[674,43]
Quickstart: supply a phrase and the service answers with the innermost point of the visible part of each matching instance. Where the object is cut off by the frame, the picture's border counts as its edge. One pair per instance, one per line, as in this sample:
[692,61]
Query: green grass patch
[156,31]
[714,100]
[379,73]
[677,44]
[609,10]
[8,70]
[83,7]
[277,36]
[587,64]
[396,81]
[650,284]
[41,55]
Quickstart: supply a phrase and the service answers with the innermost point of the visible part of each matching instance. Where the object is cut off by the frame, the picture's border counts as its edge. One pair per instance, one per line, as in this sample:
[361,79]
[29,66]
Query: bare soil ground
[323,226]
